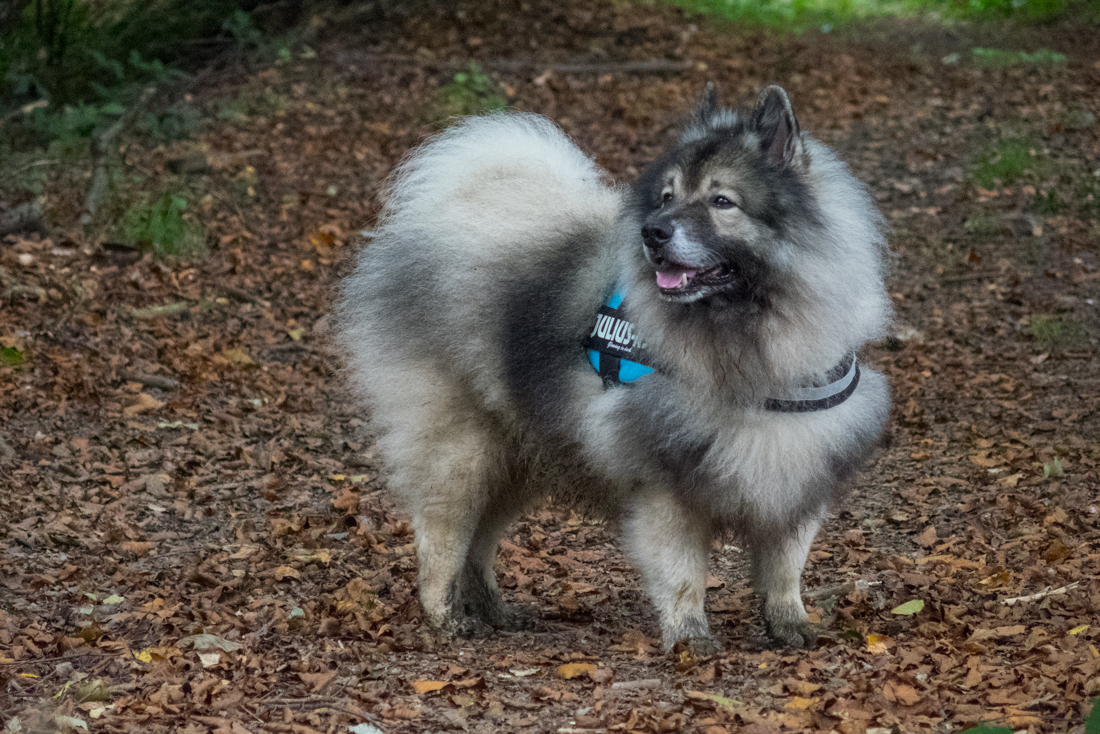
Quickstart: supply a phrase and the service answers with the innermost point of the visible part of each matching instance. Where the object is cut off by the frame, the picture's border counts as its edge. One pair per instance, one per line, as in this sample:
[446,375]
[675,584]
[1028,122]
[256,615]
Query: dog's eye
[666,197]
[721,202]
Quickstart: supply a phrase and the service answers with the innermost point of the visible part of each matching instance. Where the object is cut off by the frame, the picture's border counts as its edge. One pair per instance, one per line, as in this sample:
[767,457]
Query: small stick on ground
[164,383]
[6,452]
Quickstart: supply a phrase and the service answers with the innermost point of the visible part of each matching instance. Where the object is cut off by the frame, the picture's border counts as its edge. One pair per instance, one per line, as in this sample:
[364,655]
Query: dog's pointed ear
[774,121]
[707,107]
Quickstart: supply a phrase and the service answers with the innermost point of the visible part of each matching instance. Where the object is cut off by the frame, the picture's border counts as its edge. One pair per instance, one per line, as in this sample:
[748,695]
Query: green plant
[1051,331]
[11,357]
[471,92]
[1009,162]
[175,123]
[164,227]
[1053,468]
[799,15]
[94,52]
[997,57]
[262,102]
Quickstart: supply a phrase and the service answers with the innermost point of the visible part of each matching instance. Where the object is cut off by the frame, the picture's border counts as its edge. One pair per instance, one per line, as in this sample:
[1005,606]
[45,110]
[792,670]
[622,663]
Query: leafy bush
[164,228]
[72,52]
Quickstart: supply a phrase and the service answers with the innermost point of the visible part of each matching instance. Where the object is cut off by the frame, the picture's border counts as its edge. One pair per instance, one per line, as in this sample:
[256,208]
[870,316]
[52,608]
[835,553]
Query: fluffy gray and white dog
[735,281]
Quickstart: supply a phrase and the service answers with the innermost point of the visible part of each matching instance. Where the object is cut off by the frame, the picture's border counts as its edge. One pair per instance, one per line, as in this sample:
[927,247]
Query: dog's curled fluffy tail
[496,181]
[489,202]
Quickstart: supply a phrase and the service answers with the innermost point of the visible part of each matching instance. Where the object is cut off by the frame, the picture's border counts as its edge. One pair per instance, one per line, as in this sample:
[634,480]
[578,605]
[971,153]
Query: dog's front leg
[669,542]
[778,557]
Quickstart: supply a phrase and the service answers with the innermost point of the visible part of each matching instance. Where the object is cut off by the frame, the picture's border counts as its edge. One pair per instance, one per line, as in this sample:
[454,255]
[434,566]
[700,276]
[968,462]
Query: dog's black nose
[656,235]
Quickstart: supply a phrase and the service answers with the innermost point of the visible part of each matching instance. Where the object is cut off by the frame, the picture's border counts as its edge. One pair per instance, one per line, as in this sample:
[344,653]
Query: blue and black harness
[618,354]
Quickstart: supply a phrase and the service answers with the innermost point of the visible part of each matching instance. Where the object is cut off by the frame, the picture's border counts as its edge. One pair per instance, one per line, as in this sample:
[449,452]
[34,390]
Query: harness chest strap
[617,352]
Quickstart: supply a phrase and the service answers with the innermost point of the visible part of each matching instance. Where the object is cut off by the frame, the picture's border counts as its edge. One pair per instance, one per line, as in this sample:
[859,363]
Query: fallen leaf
[909,608]
[237,356]
[209,642]
[798,703]
[722,701]
[573,670]
[429,686]
[286,572]
[901,693]
[877,644]
[145,403]
[210,659]
[318,680]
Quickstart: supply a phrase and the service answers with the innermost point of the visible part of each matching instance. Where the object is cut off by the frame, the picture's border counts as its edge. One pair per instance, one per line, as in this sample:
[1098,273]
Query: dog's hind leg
[441,456]
[480,593]
[778,558]
[670,544]
[445,524]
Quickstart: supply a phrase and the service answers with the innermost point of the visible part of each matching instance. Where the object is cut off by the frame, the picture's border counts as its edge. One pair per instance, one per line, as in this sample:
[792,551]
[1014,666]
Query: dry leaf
[901,693]
[317,680]
[429,686]
[145,403]
[572,670]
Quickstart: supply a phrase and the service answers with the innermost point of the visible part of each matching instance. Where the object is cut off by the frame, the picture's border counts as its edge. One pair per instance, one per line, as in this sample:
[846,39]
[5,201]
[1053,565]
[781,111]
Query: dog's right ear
[774,121]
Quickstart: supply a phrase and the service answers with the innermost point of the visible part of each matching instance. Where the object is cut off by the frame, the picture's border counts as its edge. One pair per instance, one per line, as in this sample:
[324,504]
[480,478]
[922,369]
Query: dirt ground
[195,534]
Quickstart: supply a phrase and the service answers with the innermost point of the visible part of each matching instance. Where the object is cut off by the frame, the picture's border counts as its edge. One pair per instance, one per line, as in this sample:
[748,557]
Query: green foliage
[997,57]
[1051,331]
[983,729]
[1092,723]
[11,357]
[799,15]
[93,53]
[471,92]
[1053,469]
[178,122]
[1009,162]
[261,102]
[163,227]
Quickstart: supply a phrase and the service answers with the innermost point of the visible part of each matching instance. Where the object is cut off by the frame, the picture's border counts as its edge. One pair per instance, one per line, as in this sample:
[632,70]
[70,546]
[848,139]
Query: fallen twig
[6,452]
[59,658]
[164,383]
[105,149]
[652,66]
[971,276]
[1041,594]
[634,685]
[655,66]
[243,295]
[166,310]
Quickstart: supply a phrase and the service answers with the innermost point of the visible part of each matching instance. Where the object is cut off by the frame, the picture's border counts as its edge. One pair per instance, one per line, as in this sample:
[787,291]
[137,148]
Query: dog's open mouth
[681,280]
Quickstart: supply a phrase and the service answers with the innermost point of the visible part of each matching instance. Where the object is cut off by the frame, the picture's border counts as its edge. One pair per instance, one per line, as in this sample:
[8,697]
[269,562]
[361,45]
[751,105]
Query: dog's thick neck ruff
[618,354]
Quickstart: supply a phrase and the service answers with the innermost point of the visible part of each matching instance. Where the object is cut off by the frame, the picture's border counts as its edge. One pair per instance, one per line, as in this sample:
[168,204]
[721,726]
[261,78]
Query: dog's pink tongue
[673,278]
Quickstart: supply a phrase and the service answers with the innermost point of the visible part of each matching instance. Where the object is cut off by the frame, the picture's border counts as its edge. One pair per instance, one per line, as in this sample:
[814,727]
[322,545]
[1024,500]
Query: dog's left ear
[774,121]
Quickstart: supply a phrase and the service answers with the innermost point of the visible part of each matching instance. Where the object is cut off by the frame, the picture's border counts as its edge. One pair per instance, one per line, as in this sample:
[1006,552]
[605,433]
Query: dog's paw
[792,633]
[472,628]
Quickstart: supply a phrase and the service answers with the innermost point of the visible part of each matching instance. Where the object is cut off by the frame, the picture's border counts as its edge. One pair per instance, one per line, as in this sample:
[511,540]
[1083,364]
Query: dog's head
[716,207]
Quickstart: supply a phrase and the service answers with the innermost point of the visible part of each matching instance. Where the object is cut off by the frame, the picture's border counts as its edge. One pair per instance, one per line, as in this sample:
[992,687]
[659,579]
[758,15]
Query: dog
[680,354]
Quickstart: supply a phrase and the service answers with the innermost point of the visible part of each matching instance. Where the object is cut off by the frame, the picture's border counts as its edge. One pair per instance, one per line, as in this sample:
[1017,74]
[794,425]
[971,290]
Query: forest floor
[196,535]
